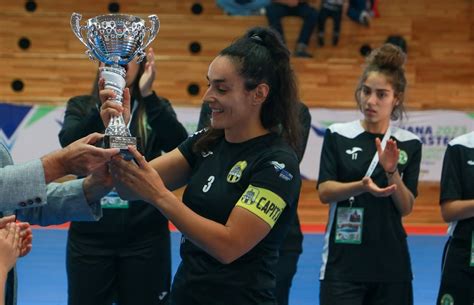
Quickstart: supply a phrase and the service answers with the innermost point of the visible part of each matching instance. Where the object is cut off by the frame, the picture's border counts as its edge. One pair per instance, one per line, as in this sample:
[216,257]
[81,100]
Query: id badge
[472,250]
[113,201]
[349,225]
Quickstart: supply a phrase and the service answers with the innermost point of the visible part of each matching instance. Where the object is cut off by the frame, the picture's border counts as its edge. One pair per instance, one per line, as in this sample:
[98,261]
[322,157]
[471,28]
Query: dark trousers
[130,274]
[356,7]
[336,16]
[285,270]
[361,293]
[276,11]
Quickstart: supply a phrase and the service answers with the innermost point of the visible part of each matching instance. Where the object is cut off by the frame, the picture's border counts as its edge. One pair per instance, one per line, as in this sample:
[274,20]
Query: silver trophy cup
[115,40]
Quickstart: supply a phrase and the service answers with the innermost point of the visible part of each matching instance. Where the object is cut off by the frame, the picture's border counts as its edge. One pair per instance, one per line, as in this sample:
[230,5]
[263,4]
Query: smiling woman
[242,177]
[369,176]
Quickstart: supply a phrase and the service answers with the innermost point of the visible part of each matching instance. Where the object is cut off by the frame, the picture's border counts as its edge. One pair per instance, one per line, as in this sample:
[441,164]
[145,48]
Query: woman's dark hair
[135,96]
[387,60]
[260,56]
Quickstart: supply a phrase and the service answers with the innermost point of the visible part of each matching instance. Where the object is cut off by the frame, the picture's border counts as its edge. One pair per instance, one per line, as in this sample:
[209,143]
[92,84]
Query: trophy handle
[77,28]
[152,30]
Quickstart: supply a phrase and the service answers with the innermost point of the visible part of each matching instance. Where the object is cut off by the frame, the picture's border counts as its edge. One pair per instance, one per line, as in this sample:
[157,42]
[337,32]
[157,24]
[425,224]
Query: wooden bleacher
[440,67]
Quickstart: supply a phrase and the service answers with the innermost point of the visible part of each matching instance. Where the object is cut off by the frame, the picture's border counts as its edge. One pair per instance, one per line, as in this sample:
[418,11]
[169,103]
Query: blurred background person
[457,208]
[301,8]
[369,169]
[126,256]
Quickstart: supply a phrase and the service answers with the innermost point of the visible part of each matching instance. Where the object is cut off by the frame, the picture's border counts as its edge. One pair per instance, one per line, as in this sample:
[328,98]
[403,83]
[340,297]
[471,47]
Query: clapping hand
[377,191]
[9,246]
[146,81]
[388,157]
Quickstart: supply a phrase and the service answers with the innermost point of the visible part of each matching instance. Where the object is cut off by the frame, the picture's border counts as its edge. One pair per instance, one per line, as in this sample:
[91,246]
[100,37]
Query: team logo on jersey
[199,132]
[282,172]
[353,152]
[402,157]
[470,162]
[205,154]
[162,295]
[447,299]
[236,172]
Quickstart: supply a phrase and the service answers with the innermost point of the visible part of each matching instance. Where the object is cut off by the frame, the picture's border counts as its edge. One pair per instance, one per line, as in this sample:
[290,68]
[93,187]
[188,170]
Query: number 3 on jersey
[207,186]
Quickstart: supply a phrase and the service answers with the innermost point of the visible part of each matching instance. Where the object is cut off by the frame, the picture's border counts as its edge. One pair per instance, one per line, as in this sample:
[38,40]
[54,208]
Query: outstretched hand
[377,191]
[82,158]
[139,178]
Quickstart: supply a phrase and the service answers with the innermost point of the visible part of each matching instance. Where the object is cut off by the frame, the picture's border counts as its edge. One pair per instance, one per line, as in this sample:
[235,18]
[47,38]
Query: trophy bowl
[115,38]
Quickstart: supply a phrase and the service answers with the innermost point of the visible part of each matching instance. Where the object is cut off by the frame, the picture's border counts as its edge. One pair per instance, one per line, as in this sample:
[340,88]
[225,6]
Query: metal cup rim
[123,16]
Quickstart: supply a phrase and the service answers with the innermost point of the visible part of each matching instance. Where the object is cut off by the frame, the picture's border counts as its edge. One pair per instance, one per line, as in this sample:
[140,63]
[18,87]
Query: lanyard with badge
[112,200]
[349,220]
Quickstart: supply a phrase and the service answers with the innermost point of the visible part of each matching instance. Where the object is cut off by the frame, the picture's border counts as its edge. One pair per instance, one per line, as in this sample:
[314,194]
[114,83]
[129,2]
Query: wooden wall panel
[440,67]
[98,7]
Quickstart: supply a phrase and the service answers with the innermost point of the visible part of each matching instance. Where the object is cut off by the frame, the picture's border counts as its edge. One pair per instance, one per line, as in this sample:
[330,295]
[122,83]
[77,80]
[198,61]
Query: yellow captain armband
[264,203]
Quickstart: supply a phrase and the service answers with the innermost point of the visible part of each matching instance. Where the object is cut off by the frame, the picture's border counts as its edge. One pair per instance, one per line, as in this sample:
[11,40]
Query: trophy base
[121,142]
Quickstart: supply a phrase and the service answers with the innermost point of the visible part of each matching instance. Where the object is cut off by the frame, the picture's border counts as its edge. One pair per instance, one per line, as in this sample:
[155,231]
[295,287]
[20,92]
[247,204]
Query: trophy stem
[117,127]
[114,77]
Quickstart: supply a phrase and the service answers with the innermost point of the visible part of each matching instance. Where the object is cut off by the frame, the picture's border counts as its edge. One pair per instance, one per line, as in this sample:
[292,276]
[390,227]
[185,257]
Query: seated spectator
[330,9]
[281,8]
[360,11]
[243,7]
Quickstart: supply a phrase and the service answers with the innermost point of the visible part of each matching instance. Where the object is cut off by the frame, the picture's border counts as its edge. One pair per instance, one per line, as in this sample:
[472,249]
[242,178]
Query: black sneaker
[335,40]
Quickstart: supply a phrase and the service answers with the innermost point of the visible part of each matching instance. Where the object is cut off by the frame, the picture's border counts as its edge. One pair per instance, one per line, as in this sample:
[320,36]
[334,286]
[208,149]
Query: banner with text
[435,128]
[32,131]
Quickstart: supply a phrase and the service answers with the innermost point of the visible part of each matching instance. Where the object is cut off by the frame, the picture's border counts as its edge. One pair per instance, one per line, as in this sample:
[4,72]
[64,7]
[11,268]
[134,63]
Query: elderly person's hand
[79,158]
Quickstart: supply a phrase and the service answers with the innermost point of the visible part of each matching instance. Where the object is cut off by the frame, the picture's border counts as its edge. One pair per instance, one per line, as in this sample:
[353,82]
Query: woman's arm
[402,197]
[172,167]
[225,242]
[388,158]
[457,210]
[453,205]
[334,191]
[9,252]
